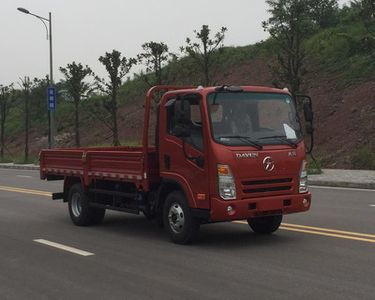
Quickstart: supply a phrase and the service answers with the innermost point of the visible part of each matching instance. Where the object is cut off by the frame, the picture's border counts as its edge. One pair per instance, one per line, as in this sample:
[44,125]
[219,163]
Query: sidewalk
[362,179]
[331,177]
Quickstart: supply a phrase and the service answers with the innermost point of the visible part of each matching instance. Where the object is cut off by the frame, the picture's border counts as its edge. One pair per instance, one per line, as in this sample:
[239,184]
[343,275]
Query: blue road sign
[51,97]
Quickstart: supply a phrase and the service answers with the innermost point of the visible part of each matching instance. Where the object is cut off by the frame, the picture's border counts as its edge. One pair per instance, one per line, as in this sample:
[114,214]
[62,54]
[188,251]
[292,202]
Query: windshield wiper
[282,138]
[243,138]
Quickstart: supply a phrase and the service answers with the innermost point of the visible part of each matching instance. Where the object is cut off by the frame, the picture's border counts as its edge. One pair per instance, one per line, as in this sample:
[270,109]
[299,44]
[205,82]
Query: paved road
[309,258]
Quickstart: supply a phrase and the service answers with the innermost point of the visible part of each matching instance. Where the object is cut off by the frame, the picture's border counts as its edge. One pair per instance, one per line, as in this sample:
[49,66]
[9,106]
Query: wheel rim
[76,204]
[176,218]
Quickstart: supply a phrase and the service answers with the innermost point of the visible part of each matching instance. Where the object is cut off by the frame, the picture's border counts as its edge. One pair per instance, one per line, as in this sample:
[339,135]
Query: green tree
[363,8]
[289,25]
[38,94]
[153,56]
[26,86]
[323,12]
[360,12]
[203,48]
[77,88]
[38,109]
[367,13]
[117,67]
[6,93]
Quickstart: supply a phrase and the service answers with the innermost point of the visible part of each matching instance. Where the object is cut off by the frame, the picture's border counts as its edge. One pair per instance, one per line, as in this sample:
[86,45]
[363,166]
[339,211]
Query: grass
[126,143]
[6,160]
[20,159]
[363,158]
[345,50]
[313,166]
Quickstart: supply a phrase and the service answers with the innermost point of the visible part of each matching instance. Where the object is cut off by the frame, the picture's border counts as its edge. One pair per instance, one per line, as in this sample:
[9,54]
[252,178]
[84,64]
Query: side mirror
[309,118]
[307,107]
[307,110]
[309,128]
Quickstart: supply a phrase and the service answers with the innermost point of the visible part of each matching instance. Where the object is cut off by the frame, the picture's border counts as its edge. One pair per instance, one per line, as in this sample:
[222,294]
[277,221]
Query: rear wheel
[265,225]
[79,210]
[177,219]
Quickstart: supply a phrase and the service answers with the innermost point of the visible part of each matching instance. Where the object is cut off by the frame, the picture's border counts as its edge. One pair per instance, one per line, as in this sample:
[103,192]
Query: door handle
[167,161]
[199,161]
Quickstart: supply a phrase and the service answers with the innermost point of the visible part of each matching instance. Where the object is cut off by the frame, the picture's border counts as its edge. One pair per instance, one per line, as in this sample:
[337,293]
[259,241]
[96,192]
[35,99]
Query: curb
[343,184]
[19,167]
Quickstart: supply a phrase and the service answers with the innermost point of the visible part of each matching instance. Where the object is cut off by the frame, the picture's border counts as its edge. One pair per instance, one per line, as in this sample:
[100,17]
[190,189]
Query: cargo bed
[115,163]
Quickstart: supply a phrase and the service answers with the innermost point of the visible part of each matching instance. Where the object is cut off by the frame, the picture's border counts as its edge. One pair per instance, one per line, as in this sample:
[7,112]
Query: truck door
[184,159]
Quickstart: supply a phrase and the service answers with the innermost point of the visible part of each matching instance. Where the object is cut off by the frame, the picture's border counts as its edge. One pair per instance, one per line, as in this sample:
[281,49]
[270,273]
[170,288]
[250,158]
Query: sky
[83,30]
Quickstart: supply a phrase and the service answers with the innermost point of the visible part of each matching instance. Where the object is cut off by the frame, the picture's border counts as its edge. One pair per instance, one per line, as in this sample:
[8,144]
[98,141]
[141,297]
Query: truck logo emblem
[268,163]
[247,155]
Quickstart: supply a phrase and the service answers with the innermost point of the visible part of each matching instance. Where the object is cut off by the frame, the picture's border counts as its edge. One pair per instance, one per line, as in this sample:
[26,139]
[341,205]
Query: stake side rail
[116,163]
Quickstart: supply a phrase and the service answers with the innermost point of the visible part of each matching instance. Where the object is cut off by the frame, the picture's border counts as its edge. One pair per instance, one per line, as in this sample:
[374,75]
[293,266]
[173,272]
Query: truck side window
[196,138]
[171,122]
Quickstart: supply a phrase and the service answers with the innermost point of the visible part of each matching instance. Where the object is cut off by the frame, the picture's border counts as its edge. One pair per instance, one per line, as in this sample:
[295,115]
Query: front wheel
[79,210]
[265,225]
[177,219]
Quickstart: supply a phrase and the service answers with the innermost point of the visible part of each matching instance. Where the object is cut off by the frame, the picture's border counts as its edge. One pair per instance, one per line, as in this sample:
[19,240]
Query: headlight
[227,187]
[303,186]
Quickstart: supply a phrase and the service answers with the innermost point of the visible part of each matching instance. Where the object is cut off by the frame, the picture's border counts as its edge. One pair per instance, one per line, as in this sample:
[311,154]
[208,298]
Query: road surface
[326,253]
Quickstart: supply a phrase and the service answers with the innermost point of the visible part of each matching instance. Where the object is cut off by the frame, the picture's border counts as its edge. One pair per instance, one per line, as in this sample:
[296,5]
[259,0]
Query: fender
[182,183]
[169,185]
[68,182]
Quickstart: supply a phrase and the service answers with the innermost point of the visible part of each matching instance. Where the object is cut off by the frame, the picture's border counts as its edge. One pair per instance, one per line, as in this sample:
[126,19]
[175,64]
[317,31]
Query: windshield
[245,118]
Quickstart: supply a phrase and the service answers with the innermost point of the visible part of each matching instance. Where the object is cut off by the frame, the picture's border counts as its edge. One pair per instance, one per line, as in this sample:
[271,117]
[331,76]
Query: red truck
[221,154]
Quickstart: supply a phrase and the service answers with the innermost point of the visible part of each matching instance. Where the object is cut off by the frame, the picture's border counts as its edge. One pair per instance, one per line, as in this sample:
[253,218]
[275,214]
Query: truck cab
[236,152]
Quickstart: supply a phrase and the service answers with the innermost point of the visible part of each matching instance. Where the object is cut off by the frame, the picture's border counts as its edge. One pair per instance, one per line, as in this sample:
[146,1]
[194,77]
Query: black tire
[177,219]
[79,210]
[265,225]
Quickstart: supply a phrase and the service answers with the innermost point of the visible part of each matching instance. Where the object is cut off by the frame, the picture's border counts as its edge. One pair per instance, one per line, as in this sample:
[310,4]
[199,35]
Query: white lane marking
[24,176]
[63,247]
[340,188]
[372,205]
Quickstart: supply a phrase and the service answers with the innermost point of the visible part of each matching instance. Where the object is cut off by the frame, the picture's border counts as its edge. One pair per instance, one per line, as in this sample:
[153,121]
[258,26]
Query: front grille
[265,186]
[268,189]
[269,181]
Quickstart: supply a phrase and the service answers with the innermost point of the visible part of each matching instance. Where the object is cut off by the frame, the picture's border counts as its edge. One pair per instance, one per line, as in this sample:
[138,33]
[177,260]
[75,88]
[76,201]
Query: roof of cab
[250,88]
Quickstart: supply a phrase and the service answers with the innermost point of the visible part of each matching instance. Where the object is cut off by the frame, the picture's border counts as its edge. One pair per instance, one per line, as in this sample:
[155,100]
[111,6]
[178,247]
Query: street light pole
[51,132]
[51,112]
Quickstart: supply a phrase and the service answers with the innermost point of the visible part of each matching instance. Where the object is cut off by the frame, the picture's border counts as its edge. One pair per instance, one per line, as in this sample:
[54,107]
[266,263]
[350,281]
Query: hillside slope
[344,117]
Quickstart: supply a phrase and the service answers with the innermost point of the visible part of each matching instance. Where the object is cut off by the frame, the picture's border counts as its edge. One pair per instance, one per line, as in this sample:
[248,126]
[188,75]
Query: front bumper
[253,207]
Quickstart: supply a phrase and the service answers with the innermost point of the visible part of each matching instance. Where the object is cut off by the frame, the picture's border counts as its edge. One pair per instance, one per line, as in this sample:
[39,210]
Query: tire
[177,219]
[265,225]
[79,210]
